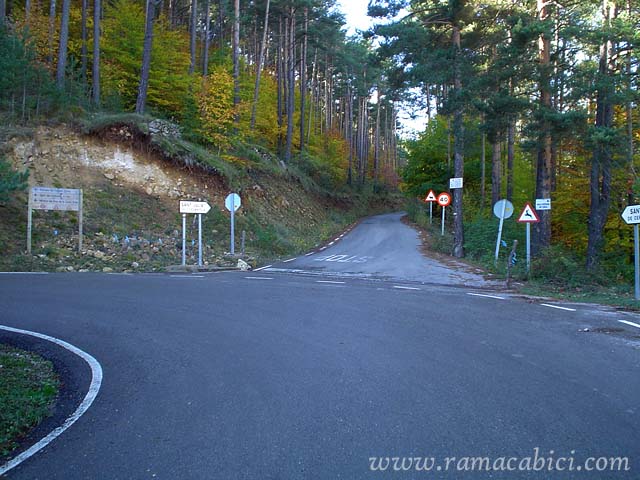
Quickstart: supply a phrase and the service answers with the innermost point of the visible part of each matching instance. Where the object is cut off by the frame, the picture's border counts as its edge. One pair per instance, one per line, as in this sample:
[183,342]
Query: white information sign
[543,204]
[455,183]
[631,214]
[45,198]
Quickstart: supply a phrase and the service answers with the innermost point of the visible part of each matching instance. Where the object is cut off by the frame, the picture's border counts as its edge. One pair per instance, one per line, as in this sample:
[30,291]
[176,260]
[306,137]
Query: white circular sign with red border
[444,199]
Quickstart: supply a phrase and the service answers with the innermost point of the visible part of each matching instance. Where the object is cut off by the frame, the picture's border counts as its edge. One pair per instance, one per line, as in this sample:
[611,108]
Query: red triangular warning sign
[431,197]
[528,215]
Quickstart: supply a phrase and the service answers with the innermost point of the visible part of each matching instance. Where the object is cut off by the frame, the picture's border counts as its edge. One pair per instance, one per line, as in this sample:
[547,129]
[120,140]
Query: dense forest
[283,75]
[524,99]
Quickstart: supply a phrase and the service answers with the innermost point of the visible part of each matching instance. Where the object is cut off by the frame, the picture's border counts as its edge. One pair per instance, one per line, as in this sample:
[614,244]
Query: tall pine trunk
[458,147]
[236,58]
[291,84]
[496,170]
[542,229]
[192,35]
[141,102]
[263,48]
[52,33]
[207,38]
[600,181]
[3,12]
[303,77]
[95,74]
[64,43]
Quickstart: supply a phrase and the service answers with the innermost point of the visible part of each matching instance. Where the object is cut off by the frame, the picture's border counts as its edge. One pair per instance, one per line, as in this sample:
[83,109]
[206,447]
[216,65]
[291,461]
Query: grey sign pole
[443,210]
[199,239]
[504,208]
[528,247]
[430,213]
[637,259]
[80,222]
[184,239]
[233,228]
[29,221]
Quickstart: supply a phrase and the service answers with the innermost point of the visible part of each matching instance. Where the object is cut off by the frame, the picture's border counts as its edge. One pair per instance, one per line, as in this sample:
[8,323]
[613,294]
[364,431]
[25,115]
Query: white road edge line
[557,307]
[186,276]
[485,296]
[309,254]
[94,388]
[259,278]
[630,323]
[330,281]
[290,260]
[331,243]
[405,288]
[262,268]
[24,273]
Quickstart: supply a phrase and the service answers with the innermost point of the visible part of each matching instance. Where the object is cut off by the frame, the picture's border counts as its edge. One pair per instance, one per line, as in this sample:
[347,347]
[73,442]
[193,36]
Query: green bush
[10,180]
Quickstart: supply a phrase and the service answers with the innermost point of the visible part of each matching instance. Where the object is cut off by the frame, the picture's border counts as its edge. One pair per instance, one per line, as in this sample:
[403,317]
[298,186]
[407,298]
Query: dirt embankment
[131,206]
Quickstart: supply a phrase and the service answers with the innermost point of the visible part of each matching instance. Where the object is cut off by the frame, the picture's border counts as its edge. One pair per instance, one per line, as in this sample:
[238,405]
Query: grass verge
[28,390]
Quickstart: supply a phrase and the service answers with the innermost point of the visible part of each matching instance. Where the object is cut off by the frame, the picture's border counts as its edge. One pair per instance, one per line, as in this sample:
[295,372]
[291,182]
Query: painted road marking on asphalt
[187,276]
[329,281]
[259,278]
[309,254]
[94,388]
[331,243]
[485,296]
[290,260]
[559,308]
[262,268]
[630,323]
[400,287]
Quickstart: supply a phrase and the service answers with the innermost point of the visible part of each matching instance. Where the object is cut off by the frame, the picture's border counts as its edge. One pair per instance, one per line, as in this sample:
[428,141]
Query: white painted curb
[96,381]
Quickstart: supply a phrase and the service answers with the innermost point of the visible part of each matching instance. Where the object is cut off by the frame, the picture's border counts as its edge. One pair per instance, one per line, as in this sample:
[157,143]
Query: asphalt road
[381,247]
[269,375]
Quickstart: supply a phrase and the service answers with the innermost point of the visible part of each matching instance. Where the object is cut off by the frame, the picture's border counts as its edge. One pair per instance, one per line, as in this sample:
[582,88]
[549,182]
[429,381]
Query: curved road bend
[266,375]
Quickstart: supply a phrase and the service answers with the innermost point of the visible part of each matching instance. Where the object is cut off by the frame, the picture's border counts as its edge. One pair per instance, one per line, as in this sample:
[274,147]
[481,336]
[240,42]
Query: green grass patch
[28,390]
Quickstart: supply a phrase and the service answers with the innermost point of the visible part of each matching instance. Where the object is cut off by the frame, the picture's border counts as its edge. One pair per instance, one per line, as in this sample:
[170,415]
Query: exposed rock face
[62,157]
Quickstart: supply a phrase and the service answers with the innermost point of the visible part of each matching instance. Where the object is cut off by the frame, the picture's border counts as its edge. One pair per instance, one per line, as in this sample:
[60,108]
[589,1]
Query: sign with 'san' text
[631,214]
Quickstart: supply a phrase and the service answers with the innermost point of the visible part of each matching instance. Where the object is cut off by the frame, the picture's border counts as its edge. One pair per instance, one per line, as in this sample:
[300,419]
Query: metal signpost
[631,216]
[528,216]
[198,208]
[444,199]
[233,202]
[502,209]
[431,197]
[58,199]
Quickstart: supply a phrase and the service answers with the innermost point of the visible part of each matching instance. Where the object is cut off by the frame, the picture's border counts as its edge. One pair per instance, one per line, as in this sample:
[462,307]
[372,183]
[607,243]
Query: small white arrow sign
[631,214]
[194,207]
